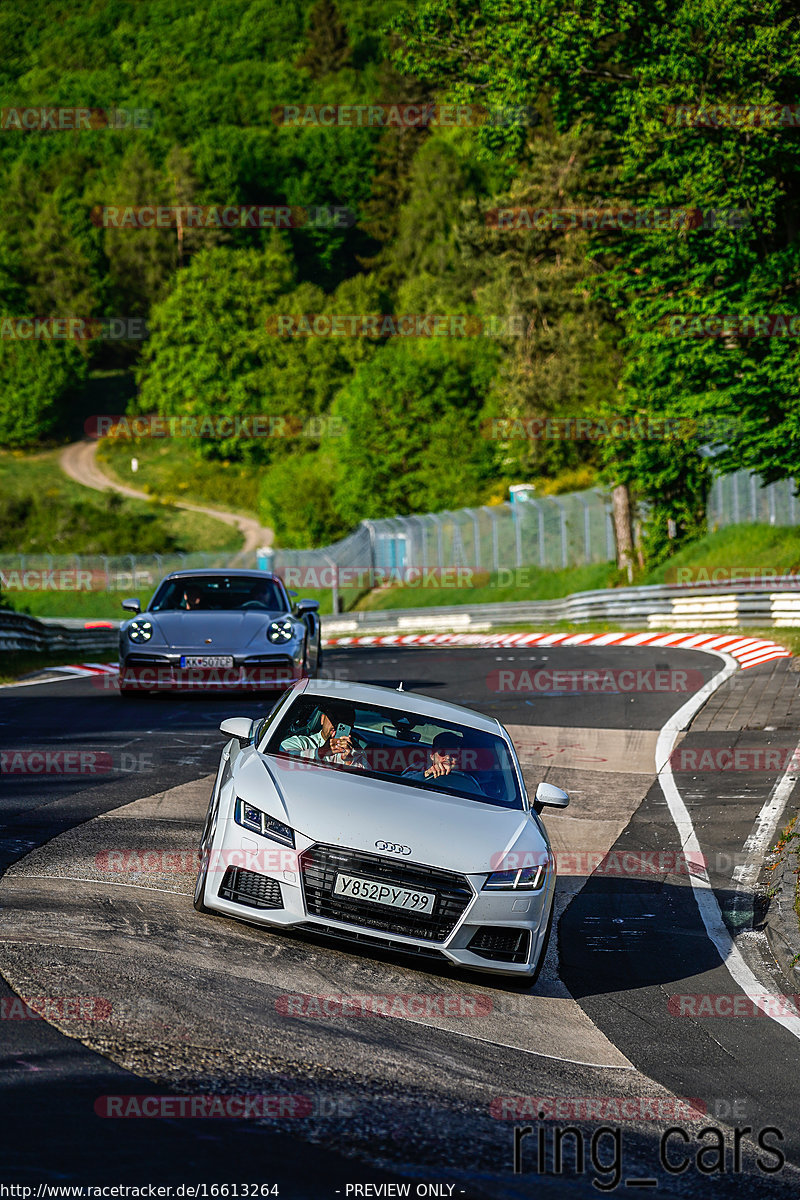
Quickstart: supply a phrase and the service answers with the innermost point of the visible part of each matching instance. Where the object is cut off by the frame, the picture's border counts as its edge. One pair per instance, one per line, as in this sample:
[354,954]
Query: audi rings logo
[393,848]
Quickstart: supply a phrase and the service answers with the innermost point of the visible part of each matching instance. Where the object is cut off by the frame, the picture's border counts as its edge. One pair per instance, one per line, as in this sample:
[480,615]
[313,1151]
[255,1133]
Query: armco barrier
[20,632]
[655,607]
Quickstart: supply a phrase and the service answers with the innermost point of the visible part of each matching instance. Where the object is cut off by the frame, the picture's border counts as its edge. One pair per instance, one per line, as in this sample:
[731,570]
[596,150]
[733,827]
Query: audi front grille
[320,865]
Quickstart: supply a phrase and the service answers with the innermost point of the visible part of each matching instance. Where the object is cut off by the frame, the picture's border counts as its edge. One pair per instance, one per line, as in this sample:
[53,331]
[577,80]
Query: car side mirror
[305,606]
[132,605]
[238,727]
[548,793]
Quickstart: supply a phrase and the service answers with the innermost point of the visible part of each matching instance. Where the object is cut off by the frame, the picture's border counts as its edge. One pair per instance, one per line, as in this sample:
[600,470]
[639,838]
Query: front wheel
[200,885]
[307,672]
[545,944]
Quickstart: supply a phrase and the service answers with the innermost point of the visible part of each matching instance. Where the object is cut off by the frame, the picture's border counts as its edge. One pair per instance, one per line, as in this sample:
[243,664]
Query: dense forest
[683,112]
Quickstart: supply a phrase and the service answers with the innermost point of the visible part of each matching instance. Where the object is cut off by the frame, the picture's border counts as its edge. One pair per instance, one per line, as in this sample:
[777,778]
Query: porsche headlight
[528,879]
[280,632]
[250,817]
[140,631]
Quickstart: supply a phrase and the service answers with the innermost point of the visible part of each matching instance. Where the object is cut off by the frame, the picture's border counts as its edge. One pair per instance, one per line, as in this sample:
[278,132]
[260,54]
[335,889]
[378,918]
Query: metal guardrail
[775,604]
[656,607]
[20,632]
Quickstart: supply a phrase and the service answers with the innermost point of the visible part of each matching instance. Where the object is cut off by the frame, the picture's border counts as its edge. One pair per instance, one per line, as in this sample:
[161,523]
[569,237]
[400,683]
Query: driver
[192,596]
[445,759]
[324,746]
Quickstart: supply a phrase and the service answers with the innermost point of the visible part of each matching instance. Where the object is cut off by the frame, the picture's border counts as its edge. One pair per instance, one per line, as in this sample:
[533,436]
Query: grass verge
[176,473]
[505,586]
[44,513]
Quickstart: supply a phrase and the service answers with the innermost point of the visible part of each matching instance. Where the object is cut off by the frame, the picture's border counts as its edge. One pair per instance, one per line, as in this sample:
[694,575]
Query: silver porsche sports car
[217,630]
[385,818]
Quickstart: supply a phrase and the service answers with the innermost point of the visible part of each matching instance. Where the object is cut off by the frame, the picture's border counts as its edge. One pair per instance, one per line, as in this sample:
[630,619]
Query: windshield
[209,593]
[393,744]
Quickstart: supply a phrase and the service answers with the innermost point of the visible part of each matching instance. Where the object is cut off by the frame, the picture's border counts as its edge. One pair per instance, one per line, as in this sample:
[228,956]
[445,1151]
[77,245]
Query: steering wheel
[464,775]
[255,604]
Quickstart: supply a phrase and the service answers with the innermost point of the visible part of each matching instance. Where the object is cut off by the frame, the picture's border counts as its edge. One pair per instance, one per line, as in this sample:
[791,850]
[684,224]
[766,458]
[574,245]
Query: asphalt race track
[609,1042]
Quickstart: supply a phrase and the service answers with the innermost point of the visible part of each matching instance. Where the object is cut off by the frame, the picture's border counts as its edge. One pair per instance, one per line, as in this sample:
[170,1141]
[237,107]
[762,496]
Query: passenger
[324,746]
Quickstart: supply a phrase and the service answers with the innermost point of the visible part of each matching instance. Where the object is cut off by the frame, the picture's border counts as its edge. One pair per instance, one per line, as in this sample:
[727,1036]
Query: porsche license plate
[390,894]
[207,660]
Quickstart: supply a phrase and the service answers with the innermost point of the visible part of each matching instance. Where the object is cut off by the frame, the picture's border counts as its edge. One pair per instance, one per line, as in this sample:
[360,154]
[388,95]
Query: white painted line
[473,1037]
[766,824]
[704,895]
[35,682]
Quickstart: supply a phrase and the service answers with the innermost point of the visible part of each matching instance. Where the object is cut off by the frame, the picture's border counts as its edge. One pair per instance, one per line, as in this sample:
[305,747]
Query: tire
[545,944]
[306,672]
[200,886]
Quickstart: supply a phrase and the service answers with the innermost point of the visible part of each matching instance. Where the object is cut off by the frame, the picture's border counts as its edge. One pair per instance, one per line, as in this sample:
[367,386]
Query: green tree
[140,260]
[63,259]
[40,379]
[296,499]
[328,48]
[592,66]
[411,431]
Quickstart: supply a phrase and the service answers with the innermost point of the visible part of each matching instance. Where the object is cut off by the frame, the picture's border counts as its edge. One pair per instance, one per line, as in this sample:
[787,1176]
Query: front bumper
[255,880]
[163,673]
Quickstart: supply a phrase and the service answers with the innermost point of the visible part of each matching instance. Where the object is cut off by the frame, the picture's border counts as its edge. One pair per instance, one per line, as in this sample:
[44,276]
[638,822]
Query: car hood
[189,630]
[346,809]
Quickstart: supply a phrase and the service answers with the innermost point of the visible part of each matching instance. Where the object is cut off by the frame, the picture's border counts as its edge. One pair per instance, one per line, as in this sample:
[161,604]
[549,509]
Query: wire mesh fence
[441,550]
[742,499]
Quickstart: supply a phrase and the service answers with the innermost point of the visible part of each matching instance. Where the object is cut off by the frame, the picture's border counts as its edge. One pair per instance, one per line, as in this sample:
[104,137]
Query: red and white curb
[87,669]
[748,652]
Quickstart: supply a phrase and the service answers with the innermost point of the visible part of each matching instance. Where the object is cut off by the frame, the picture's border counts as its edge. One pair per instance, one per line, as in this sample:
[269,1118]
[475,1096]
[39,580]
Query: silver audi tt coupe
[218,630]
[385,818]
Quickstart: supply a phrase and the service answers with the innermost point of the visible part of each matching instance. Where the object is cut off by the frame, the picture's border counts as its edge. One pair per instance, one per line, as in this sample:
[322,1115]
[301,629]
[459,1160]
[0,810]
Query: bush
[296,500]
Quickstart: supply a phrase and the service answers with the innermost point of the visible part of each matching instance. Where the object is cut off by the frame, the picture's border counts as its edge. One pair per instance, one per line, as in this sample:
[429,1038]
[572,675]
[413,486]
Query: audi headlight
[528,879]
[140,631]
[280,632]
[250,817]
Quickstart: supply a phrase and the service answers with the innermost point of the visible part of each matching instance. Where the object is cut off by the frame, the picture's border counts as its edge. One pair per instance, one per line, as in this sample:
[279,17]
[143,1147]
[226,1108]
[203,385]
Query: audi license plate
[207,660]
[383,893]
